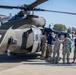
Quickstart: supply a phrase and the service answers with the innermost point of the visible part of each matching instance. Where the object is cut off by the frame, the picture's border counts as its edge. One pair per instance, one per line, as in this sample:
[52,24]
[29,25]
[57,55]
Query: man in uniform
[56,49]
[66,48]
[43,46]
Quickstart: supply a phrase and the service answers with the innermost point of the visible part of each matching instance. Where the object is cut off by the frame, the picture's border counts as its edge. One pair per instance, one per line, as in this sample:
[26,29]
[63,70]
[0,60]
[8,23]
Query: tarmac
[39,70]
[20,65]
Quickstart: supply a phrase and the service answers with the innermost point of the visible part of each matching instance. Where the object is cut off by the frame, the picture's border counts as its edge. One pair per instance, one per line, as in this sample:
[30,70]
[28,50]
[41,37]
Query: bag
[70,48]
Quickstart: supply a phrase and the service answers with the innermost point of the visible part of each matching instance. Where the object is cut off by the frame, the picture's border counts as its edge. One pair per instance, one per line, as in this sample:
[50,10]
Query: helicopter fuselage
[23,28]
[25,40]
[25,32]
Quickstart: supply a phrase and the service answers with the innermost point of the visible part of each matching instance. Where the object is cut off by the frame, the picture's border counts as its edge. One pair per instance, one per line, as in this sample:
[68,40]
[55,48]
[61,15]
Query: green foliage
[69,30]
[59,27]
[74,29]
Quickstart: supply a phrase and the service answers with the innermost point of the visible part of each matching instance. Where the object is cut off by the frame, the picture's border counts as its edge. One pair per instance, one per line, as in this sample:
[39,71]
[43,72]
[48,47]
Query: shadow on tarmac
[48,63]
[31,59]
[51,64]
[17,58]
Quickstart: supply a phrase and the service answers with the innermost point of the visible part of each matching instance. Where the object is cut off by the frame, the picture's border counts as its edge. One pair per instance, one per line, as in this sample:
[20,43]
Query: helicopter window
[0,23]
[36,37]
[0,36]
[21,14]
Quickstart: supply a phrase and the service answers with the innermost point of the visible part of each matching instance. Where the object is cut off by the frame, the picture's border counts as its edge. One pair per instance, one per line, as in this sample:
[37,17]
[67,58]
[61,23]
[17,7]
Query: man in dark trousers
[74,51]
[51,41]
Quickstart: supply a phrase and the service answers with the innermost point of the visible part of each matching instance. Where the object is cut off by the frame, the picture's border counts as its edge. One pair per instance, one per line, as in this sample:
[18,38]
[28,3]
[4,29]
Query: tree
[69,30]
[59,27]
[74,30]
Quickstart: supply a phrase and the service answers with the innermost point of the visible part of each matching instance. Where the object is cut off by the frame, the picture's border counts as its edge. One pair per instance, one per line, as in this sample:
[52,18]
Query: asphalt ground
[31,64]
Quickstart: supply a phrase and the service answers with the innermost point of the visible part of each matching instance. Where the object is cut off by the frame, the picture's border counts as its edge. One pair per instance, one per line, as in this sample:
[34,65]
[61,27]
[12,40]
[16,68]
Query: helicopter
[24,29]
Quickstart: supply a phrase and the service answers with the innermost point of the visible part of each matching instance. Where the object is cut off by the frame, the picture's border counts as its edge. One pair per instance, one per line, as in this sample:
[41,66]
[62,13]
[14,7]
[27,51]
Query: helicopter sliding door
[37,39]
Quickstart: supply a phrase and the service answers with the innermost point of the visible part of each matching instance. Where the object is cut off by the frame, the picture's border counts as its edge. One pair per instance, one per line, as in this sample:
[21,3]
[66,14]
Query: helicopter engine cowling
[26,22]
[39,22]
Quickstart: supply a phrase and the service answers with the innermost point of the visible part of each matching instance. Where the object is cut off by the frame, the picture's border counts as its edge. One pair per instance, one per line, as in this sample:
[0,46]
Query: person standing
[56,49]
[66,48]
[43,46]
[74,57]
[51,41]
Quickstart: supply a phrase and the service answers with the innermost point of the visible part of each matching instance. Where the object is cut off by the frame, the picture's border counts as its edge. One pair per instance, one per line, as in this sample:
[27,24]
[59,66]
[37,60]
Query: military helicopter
[24,29]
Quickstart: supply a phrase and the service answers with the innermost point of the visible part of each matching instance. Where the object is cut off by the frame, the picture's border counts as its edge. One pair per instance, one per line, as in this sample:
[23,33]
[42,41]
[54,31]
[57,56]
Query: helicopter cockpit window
[21,14]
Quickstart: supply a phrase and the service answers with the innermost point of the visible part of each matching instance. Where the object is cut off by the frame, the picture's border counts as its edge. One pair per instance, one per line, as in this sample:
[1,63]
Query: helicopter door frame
[39,38]
[36,42]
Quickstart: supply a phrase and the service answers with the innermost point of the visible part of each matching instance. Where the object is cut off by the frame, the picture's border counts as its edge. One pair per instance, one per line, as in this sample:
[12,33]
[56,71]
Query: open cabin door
[37,39]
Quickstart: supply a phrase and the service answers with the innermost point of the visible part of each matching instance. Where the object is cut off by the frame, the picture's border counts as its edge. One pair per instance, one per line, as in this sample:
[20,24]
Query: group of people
[50,47]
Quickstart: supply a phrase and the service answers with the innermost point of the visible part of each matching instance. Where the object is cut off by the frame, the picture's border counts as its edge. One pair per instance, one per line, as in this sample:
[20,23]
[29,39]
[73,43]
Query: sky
[50,17]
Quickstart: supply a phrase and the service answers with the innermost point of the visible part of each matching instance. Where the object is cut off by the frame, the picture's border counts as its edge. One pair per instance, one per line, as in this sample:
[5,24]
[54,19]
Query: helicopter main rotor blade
[55,11]
[36,3]
[11,7]
[27,7]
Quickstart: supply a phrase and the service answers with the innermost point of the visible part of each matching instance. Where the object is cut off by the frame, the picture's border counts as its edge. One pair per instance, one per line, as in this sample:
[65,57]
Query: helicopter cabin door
[36,39]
